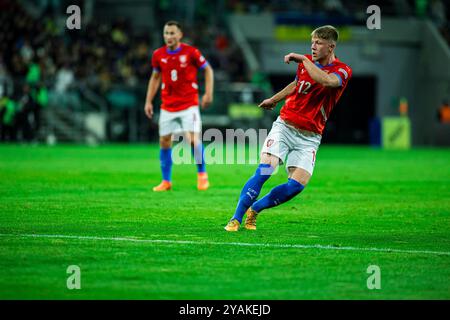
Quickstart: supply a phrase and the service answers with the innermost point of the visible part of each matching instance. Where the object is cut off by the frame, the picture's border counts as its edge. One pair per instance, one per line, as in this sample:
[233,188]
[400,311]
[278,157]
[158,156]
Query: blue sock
[199,156]
[165,156]
[278,195]
[251,190]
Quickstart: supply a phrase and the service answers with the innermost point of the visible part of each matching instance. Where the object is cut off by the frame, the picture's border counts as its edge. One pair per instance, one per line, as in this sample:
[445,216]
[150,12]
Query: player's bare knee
[300,175]
[268,158]
[303,181]
[165,142]
[192,138]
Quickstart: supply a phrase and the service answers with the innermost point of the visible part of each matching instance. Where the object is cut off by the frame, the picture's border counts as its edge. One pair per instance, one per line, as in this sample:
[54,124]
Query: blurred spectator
[26,51]
[6,82]
[7,119]
[334,7]
[64,79]
[26,108]
[437,13]
[34,73]
[444,112]
[221,42]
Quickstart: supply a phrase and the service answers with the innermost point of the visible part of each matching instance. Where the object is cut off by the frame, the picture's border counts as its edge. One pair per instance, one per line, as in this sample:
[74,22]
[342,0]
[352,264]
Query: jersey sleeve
[344,73]
[198,59]
[155,62]
[297,73]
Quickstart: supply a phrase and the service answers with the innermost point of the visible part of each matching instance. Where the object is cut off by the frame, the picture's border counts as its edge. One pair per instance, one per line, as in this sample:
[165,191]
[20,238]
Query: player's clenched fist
[149,110]
[206,101]
[268,104]
[293,57]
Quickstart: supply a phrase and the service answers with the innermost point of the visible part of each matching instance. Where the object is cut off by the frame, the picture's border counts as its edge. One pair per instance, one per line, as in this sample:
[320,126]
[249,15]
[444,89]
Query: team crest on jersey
[183,58]
[269,143]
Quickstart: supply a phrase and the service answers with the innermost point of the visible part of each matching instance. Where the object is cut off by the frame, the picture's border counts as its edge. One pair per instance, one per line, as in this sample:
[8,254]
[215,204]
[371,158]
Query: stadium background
[89,84]
[75,89]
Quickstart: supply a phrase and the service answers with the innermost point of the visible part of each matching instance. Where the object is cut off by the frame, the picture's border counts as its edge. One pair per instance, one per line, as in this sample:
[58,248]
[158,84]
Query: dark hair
[174,23]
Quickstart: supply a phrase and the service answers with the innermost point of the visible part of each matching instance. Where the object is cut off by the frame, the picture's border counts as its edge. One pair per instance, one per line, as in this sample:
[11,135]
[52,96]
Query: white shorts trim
[295,148]
[187,120]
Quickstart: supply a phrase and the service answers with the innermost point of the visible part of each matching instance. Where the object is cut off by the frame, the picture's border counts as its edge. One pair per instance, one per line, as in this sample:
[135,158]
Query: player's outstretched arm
[270,103]
[153,85]
[207,98]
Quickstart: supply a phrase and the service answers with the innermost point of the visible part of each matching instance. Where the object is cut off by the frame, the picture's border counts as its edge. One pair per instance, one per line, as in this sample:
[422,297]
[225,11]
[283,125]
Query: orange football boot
[250,221]
[163,186]
[202,181]
[232,226]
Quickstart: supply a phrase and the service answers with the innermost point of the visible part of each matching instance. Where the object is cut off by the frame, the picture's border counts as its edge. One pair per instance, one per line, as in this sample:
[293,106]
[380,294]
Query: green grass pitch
[358,198]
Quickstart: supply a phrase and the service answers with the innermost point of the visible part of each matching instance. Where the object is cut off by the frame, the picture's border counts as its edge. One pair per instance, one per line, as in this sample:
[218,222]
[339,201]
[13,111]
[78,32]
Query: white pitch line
[240,244]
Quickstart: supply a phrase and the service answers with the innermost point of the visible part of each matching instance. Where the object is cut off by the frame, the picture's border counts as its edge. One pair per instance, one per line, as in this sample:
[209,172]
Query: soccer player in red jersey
[176,65]
[296,134]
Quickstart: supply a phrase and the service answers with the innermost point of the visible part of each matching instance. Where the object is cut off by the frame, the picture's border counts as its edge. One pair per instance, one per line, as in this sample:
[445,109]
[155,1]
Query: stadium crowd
[40,62]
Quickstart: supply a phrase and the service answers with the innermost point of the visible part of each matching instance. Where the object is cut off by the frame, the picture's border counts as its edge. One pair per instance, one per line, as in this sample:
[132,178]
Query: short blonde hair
[328,32]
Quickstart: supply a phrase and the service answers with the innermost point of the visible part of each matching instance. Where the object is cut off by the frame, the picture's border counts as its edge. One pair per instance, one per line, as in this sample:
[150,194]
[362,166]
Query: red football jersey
[179,88]
[310,105]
